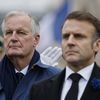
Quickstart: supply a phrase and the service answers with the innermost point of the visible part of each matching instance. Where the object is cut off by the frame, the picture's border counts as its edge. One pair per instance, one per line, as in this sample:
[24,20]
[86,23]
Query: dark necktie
[19,76]
[73,91]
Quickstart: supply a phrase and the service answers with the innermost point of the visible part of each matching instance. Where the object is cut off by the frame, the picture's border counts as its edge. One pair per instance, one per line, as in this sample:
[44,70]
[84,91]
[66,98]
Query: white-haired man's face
[18,37]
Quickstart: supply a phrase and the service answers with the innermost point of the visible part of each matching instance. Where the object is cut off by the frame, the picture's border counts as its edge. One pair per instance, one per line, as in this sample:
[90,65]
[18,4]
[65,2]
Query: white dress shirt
[85,73]
[24,71]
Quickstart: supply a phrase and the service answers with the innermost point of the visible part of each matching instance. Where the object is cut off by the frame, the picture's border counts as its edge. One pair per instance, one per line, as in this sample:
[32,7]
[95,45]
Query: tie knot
[19,76]
[75,77]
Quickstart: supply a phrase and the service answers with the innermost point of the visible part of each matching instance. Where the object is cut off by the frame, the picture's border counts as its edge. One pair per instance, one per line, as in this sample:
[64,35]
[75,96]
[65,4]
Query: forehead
[73,25]
[17,21]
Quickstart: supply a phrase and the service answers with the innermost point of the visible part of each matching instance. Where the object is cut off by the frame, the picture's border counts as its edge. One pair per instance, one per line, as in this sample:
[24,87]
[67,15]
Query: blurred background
[51,14]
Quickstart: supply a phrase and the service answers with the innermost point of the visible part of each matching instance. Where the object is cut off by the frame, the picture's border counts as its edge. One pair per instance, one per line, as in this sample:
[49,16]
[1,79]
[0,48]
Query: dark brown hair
[86,16]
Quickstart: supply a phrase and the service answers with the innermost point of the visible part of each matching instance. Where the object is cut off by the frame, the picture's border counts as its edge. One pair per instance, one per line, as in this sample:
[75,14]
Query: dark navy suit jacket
[51,88]
[36,72]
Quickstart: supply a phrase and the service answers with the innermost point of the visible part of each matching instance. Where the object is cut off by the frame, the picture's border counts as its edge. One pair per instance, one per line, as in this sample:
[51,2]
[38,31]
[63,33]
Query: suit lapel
[57,83]
[90,93]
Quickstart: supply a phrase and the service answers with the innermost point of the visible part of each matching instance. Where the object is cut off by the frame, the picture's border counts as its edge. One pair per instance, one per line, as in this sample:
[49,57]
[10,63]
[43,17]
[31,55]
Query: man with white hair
[21,66]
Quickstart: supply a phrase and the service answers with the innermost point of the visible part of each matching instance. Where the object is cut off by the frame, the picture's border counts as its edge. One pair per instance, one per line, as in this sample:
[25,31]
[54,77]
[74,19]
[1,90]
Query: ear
[36,39]
[97,45]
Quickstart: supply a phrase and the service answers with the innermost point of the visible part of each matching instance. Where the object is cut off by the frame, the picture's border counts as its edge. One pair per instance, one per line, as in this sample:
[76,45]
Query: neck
[21,62]
[78,66]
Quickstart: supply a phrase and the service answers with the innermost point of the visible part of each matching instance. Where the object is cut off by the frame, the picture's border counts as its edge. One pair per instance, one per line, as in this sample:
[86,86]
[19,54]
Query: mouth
[71,52]
[13,46]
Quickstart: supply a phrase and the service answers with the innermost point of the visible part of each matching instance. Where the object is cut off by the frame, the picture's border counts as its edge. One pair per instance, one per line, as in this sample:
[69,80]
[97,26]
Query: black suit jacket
[51,88]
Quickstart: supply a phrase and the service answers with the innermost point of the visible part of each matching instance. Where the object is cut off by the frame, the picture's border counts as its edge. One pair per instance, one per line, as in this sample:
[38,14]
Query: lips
[71,52]
[13,46]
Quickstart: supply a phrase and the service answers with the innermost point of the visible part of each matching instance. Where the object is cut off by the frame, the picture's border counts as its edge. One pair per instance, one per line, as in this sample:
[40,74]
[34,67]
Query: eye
[8,32]
[79,36]
[65,36]
[21,32]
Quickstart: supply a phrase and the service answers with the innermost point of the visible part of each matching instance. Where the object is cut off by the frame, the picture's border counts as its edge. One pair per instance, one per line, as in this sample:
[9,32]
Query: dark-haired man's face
[77,42]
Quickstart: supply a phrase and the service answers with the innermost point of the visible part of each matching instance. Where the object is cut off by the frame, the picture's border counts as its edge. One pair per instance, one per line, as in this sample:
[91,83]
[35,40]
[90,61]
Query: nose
[14,36]
[71,40]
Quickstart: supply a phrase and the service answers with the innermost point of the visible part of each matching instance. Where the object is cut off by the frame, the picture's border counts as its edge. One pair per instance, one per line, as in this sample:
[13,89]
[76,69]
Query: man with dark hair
[80,80]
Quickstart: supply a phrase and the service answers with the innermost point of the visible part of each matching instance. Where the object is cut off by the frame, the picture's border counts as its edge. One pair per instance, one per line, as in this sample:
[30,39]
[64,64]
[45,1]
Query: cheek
[28,42]
[87,49]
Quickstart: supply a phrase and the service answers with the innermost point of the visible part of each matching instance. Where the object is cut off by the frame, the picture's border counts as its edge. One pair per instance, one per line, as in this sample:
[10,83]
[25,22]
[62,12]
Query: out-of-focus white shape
[45,5]
[91,6]
[31,5]
[50,56]
[46,31]
[47,28]
[6,5]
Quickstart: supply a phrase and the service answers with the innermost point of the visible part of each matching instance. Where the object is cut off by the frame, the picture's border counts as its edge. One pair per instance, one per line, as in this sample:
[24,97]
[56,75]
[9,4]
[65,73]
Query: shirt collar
[34,62]
[24,71]
[85,72]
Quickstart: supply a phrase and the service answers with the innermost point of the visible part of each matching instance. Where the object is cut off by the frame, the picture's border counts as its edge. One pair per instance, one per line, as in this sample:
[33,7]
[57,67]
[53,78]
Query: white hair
[34,21]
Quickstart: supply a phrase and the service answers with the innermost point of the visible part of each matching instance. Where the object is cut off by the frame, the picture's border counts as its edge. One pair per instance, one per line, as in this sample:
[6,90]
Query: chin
[72,59]
[14,54]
